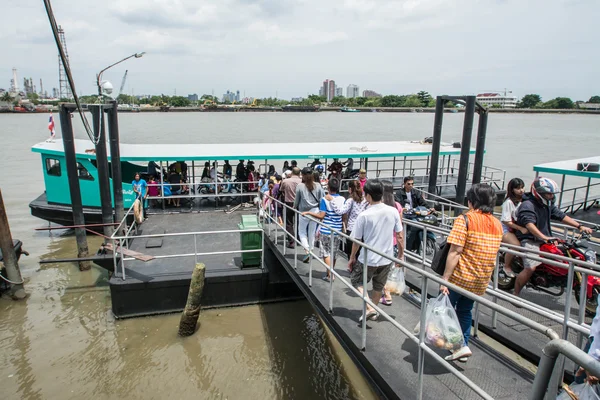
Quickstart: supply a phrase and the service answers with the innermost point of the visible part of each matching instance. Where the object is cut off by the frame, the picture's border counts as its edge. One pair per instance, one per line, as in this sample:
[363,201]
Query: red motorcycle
[550,276]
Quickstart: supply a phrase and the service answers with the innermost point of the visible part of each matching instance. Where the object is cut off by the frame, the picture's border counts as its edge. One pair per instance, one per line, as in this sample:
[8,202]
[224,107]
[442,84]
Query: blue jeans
[463,307]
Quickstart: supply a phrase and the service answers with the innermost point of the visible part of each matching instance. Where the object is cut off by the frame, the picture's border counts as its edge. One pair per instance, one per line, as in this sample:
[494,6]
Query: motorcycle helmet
[542,186]
[320,168]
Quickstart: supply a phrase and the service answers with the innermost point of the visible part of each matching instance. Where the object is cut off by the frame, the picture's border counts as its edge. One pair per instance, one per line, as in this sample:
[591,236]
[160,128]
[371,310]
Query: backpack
[438,264]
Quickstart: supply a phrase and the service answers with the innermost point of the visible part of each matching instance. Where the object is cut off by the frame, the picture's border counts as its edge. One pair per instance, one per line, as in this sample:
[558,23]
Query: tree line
[535,101]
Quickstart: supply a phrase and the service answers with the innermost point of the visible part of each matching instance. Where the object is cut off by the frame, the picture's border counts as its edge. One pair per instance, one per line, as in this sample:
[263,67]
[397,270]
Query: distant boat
[299,108]
[347,109]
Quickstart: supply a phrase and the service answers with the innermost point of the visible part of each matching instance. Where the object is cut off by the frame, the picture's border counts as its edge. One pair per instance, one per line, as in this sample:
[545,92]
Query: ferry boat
[384,160]
[348,109]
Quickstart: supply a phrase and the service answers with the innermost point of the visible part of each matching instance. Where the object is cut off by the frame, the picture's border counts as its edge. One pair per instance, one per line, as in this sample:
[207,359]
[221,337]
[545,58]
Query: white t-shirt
[409,198]
[374,226]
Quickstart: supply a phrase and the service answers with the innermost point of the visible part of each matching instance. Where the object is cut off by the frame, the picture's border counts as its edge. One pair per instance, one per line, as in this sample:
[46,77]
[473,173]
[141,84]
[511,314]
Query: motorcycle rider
[535,213]
[408,195]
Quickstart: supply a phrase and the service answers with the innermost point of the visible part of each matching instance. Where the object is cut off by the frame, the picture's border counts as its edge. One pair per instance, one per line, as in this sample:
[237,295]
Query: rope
[11,282]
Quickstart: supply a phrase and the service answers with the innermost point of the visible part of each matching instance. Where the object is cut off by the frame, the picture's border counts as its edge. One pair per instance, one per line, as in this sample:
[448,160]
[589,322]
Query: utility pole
[9,256]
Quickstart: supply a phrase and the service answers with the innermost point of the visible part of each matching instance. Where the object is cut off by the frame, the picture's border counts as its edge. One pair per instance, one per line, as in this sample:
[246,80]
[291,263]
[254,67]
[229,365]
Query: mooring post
[9,257]
[102,165]
[480,146]
[435,147]
[74,190]
[189,318]
[115,161]
[465,150]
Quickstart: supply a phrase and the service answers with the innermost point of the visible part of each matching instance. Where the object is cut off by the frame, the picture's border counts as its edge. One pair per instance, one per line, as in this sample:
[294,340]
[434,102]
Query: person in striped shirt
[331,220]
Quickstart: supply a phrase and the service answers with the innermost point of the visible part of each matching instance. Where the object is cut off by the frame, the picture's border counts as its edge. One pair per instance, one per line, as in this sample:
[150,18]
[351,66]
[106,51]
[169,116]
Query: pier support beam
[465,149]
[74,190]
[480,146]
[9,257]
[189,318]
[435,148]
[102,165]
[115,161]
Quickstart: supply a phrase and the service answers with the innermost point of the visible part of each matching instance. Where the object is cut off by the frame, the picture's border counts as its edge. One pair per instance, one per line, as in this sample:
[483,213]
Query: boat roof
[253,151]
[569,167]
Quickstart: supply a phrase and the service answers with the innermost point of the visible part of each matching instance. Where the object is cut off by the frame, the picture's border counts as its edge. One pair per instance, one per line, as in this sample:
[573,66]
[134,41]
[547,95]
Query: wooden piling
[189,318]
[9,256]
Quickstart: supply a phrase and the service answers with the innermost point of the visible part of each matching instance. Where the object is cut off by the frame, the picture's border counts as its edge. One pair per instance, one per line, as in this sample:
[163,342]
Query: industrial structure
[64,90]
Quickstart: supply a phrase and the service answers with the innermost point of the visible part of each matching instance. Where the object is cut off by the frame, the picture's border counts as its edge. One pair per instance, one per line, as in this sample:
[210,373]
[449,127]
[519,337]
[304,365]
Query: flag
[51,127]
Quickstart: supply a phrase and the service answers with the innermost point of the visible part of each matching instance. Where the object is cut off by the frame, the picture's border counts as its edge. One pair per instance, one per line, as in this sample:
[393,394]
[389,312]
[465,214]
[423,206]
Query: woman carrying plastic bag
[579,391]
[442,328]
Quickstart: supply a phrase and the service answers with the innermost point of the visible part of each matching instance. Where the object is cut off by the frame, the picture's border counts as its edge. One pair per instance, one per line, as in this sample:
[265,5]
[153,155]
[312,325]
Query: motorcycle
[414,235]
[549,276]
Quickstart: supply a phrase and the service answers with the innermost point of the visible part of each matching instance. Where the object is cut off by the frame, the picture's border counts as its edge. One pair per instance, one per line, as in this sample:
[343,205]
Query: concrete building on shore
[339,92]
[370,93]
[497,100]
[192,97]
[328,89]
[352,91]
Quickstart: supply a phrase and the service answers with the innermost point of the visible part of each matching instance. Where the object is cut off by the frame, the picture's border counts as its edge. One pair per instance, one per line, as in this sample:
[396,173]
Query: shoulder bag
[438,264]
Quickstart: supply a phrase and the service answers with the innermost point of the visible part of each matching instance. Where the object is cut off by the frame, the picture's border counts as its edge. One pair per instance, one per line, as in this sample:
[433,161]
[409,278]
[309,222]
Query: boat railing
[214,190]
[119,244]
[577,200]
[538,391]
[495,177]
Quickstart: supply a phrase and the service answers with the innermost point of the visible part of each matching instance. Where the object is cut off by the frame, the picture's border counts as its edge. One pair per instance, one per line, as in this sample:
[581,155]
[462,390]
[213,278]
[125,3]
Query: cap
[307,171]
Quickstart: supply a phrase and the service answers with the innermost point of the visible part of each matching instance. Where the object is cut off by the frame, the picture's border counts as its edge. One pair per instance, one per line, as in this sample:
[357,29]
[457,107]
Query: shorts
[378,274]
[505,229]
[533,245]
[325,245]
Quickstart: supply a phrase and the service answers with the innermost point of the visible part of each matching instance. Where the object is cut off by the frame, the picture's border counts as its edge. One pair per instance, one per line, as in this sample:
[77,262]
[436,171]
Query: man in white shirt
[374,226]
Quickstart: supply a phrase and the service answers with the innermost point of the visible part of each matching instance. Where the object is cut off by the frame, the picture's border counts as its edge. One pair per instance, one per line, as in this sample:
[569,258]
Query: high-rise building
[237,96]
[370,93]
[328,89]
[192,97]
[352,91]
[339,92]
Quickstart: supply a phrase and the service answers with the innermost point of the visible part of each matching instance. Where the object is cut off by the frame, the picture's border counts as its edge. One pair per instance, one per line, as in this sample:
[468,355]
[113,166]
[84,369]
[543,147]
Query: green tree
[425,98]
[530,101]
[314,99]
[449,104]
[393,101]
[594,99]
[372,102]
[179,101]
[413,101]
[361,101]
[338,101]
[560,103]
[6,97]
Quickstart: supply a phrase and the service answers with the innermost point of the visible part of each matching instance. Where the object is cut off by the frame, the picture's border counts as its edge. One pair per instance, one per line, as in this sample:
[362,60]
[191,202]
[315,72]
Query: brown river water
[63,343]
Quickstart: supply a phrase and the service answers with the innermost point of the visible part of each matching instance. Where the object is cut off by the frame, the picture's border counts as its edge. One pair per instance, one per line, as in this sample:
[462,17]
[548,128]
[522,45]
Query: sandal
[385,301]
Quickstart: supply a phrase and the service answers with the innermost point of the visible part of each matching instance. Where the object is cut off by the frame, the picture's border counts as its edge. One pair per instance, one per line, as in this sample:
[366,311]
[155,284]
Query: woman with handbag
[308,197]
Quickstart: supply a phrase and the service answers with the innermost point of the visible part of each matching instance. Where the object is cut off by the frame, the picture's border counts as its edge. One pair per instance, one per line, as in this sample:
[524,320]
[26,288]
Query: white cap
[287,173]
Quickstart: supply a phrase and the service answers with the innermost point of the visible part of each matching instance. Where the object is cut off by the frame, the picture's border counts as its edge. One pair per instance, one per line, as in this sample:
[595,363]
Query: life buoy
[137,211]
[588,167]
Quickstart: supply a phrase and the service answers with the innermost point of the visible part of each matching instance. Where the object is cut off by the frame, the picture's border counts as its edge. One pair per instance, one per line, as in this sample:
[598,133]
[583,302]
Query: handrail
[423,348]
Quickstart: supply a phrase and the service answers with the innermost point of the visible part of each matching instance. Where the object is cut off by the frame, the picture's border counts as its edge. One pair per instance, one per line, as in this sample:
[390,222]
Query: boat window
[53,167]
[83,173]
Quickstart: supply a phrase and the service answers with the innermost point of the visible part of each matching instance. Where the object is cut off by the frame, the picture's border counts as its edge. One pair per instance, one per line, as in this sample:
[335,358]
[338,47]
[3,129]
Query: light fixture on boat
[102,84]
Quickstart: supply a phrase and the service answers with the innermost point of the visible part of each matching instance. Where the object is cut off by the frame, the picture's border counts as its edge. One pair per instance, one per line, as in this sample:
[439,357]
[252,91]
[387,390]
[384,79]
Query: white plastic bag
[581,391]
[442,328]
[395,283]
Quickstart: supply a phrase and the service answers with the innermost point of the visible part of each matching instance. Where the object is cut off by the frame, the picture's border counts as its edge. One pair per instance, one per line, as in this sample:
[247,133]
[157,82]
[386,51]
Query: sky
[286,48]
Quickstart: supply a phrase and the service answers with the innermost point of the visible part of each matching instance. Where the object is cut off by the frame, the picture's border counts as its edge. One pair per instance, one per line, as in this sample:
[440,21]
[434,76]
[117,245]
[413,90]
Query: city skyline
[268,49]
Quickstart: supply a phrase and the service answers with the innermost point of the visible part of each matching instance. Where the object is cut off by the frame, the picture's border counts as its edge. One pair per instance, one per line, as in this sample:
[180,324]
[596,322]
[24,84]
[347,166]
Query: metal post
[9,256]
[587,193]
[162,186]
[195,250]
[562,188]
[435,147]
[262,252]
[331,265]
[102,166]
[295,239]
[193,184]
[582,304]
[365,296]
[285,232]
[115,161]
[480,146]
[421,354]
[75,192]
[122,259]
[476,324]
[424,247]
[495,286]
[463,166]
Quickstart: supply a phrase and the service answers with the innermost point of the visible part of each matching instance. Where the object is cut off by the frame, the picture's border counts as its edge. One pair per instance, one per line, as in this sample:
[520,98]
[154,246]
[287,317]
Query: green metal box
[250,241]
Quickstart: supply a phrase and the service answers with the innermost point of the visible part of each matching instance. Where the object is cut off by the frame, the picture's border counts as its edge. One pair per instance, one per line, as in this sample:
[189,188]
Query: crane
[123,83]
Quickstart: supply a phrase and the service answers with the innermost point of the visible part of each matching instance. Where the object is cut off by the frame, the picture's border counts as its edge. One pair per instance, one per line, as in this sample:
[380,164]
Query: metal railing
[579,356]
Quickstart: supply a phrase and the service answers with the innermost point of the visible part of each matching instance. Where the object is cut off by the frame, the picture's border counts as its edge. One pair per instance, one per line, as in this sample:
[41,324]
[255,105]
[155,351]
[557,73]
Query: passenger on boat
[388,199]
[351,209]
[293,164]
[408,196]
[213,171]
[332,220]
[153,169]
[474,243]
[153,191]
[535,213]
[373,227]
[315,163]
[514,196]
[278,195]
[240,172]
[252,178]
[362,177]
[176,186]
[267,202]
[271,172]
[140,188]
[286,166]
[288,189]
[227,170]
[335,168]
[206,170]
[308,196]
[183,169]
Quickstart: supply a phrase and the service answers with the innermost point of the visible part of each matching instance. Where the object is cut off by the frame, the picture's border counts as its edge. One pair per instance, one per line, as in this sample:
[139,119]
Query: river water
[62,342]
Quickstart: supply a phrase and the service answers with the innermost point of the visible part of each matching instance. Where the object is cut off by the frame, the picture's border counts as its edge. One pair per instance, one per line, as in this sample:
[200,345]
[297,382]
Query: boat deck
[161,285]
[390,358]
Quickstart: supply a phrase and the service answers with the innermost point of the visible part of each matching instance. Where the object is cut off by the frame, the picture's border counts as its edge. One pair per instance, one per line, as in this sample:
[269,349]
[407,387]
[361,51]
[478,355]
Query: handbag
[438,264]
